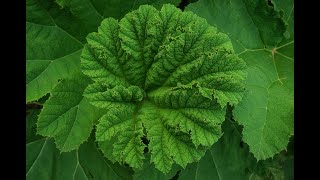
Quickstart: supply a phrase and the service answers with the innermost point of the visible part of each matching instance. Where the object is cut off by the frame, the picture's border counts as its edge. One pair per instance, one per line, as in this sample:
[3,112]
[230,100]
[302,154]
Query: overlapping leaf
[148,171]
[168,72]
[163,77]
[44,161]
[54,44]
[224,160]
[31,127]
[66,115]
[56,31]
[263,37]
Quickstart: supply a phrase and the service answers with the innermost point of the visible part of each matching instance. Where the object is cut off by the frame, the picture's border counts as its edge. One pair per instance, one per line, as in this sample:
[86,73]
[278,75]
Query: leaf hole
[270,3]
[241,144]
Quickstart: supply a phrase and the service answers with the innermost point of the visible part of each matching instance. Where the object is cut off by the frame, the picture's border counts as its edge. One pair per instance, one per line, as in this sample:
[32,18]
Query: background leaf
[118,8]
[226,159]
[54,38]
[44,162]
[148,171]
[31,127]
[266,112]
[66,115]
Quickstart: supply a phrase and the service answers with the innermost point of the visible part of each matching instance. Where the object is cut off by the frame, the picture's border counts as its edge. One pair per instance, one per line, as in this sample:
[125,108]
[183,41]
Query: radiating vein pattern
[164,75]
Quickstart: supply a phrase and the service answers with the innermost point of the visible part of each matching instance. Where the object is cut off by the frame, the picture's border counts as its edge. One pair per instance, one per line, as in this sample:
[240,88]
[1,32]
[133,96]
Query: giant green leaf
[261,36]
[52,44]
[49,14]
[44,162]
[56,31]
[47,58]
[164,75]
[66,115]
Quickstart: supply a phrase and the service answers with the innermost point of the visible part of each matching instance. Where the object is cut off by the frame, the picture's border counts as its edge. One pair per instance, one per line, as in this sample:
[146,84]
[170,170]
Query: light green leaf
[258,35]
[135,41]
[108,97]
[102,46]
[66,115]
[168,144]
[188,111]
[168,72]
[45,162]
[128,130]
[118,123]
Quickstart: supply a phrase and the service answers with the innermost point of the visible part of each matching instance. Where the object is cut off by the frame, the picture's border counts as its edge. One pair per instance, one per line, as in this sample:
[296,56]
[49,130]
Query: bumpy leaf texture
[162,75]
[263,37]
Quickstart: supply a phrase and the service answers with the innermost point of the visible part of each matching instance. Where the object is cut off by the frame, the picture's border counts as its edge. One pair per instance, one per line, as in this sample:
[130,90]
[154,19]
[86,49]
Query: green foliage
[266,111]
[69,122]
[116,90]
[45,162]
[55,40]
[172,76]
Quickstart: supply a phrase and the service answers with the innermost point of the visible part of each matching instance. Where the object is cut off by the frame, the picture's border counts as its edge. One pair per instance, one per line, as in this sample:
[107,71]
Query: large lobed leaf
[138,101]
[162,75]
[69,122]
[54,44]
[263,37]
[55,33]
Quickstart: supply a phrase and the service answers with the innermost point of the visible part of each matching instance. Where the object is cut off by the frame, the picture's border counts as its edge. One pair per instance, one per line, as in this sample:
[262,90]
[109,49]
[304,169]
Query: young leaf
[166,72]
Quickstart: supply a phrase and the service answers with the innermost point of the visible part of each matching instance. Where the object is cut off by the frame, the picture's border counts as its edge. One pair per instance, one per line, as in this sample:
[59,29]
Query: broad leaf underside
[162,75]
